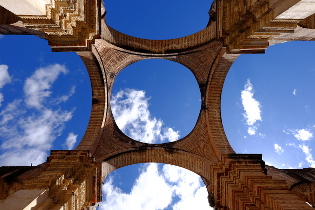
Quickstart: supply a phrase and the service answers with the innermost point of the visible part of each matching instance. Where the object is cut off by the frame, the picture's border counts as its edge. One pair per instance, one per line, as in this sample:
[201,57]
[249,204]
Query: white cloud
[131,112]
[4,75]
[286,132]
[10,112]
[156,189]
[278,149]
[302,134]
[251,130]
[187,186]
[1,36]
[36,88]
[34,133]
[150,191]
[23,157]
[27,134]
[4,79]
[309,157]
[251,107]
[291,145]
[1,99]
[71,140]
[66,97]
[294,92]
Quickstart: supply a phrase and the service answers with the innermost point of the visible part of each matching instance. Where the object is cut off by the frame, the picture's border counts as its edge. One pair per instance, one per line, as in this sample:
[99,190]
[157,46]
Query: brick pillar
[69,180]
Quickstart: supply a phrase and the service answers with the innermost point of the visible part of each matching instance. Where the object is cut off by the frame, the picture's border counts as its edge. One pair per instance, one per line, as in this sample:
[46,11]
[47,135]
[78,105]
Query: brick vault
[72,179]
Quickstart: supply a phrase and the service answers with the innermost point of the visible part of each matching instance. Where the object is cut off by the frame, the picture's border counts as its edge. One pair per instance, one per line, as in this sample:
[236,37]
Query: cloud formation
[302,134]
[27,134]
[294,92]
[36,88]
[131,112]
[4,79]
[251,108]
[278,149]
[71,140]
[156,188]
[65,98]
[309,157]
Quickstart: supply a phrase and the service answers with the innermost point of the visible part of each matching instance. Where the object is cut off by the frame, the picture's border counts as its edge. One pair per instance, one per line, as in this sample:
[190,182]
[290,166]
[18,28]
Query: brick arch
[162,154]
[213,104]
[193,164]
[182,44]
[208,63]
[99,109]
[186,160]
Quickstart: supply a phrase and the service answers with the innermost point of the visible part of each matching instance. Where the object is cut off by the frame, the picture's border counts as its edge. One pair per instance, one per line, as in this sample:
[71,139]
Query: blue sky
[268,104]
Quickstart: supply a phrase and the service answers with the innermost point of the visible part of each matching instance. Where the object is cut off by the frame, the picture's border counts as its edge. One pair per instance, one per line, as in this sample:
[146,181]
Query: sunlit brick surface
[72,179]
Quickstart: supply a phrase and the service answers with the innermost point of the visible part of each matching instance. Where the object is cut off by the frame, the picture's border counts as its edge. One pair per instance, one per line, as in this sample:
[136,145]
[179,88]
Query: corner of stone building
[69,179]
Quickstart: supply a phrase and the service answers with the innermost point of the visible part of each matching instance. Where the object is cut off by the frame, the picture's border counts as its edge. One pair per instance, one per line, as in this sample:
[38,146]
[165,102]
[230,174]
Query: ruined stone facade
[72,179]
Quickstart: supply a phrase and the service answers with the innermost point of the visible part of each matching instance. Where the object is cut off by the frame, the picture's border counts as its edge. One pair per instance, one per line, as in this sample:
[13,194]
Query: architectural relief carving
[68,180]
[70,25]
[72,179]
[256,23]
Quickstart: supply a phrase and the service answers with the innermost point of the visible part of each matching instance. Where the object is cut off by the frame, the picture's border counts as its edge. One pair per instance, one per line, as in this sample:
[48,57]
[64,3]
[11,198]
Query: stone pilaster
[248,26]
[68,25]
[242,183]
[68,180]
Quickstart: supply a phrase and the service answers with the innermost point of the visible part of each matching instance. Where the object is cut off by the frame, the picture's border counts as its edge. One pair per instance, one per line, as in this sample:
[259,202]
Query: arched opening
[45,100]
[154,186]
[156,101]
[157,20]
[268,105]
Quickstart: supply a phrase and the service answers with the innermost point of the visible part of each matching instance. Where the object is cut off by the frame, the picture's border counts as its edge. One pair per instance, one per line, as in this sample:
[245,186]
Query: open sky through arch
[268,104]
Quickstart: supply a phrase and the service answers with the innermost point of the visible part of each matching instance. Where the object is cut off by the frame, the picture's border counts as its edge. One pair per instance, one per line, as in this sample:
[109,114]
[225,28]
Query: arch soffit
[194,163]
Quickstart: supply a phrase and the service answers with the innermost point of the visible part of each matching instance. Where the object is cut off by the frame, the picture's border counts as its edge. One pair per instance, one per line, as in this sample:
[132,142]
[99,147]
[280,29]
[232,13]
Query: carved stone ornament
[69,25]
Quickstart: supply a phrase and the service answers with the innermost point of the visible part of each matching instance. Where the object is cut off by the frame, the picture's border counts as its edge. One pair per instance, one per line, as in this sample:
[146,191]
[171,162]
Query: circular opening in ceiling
[45,100]
[156,101]
[268,105]
[154,186]
[157,19]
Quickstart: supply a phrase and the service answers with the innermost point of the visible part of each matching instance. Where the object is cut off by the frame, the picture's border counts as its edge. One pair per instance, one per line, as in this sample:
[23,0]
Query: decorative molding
[70,25]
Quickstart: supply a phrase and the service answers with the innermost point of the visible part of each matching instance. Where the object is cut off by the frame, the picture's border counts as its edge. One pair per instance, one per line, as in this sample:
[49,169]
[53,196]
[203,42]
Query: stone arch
[99,100]
[164,154]
[176,157]
[169,46]
[205,63]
